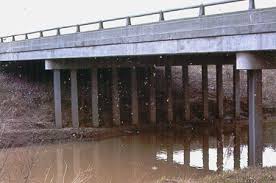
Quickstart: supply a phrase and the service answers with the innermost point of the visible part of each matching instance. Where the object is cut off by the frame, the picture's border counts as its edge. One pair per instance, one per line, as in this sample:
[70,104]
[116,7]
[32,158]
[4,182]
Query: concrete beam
[254,61]
[95,97]
[74,99]
[134,98]
[205,92]
[168,75]
[152,96]
[57,98]
[145,61]
[220,95]
[255,147]
[185,80]
[115,98]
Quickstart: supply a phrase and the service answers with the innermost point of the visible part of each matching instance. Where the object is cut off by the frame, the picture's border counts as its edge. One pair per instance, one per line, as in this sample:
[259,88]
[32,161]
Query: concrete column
[74,99]
[76,159]
[237,144]
[237,97]
[220,110]
[205,148]
[115,98]
[59,165]
[152,96]
[185,79]
[251,4]
[205,91]
[168,74]
[57,98]
[95,97]
[187,153]
[219,145]
[255,118]
[134,97]
[170,153]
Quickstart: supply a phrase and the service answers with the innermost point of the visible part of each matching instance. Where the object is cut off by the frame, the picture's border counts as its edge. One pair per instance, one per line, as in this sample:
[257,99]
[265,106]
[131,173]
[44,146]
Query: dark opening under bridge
[244,39]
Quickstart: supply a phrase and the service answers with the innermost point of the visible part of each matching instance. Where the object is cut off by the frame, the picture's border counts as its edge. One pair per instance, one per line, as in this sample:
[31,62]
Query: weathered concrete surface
[240,31]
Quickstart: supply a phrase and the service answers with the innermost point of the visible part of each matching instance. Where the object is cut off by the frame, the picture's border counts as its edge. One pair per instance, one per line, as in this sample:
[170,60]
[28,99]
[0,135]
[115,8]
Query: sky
[20,16]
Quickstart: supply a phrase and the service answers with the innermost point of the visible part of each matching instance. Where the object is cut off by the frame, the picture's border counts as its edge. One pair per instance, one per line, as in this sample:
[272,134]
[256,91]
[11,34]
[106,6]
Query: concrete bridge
[244,39]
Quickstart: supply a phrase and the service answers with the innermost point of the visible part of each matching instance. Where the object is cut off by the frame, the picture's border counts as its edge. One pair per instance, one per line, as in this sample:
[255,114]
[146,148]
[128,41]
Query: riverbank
[247,175]
[19,138]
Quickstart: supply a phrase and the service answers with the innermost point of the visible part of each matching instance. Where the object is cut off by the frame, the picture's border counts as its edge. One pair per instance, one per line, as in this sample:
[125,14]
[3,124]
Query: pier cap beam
[255,61]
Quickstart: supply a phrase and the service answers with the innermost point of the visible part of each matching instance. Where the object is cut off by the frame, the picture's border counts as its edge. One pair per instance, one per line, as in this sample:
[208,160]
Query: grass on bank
[247,175]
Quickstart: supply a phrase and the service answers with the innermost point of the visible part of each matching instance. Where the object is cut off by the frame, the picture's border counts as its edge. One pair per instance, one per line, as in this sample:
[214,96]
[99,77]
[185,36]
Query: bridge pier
[115,98]
[57,99]
[152,93]
[236,92]
[169,99]
[219,83]
[205,149]
[95,97]
[134,97]
[74,98]
[185,80]
[254,63]
[205,92]
[255,135]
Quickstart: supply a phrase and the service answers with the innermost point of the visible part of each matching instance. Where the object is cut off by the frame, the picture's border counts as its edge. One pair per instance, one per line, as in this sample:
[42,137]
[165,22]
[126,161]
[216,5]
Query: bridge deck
[231,32]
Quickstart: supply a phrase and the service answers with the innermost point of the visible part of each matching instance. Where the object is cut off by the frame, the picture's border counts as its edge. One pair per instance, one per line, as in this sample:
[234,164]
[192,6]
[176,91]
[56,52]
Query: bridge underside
[245,61]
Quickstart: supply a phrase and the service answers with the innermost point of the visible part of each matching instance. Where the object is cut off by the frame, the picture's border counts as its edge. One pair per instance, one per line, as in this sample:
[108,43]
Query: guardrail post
[26,36]
[251,4]
[40,34]
[128,21]
[58,31]
[201,10]
[101,25]
[161,16]
[78,28]
[1,40]
[13,38]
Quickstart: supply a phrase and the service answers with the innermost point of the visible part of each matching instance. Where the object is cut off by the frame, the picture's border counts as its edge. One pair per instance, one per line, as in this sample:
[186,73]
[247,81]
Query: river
[145,157]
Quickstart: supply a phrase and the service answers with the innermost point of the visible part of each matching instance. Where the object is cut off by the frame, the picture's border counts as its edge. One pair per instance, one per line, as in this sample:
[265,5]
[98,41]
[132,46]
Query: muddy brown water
[148,157]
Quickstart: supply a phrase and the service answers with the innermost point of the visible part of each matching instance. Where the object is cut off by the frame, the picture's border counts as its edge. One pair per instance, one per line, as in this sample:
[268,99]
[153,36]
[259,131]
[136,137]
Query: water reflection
[186,153]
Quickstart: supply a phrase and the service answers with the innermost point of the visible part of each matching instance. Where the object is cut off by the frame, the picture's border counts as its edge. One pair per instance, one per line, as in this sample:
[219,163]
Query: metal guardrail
[128,19]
